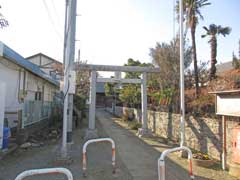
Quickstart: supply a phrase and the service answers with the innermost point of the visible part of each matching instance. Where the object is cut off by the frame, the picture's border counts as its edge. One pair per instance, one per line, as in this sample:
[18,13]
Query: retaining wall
[202,133]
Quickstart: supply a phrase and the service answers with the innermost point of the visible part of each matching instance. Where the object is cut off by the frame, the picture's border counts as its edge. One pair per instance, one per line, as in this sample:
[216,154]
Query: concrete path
[136,159]
[98,160]
[139,157]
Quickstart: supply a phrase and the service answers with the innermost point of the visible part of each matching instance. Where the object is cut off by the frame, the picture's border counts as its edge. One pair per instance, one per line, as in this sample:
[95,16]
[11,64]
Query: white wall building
[24,81]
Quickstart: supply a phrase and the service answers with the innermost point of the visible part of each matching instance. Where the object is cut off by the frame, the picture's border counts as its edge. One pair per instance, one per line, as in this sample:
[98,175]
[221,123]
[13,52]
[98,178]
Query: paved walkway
[139,157]
[98,157]
[136,158]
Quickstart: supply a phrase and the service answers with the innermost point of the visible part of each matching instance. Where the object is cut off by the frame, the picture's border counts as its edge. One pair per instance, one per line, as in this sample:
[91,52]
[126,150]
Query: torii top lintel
[93,67]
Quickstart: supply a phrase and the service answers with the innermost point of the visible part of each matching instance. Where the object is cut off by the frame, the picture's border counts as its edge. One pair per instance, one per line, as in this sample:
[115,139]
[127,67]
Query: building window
[38,96]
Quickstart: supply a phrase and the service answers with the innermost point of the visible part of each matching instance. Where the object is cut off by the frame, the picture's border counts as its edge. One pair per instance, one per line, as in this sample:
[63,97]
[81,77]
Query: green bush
[134,125]
[125,115]
[203,105]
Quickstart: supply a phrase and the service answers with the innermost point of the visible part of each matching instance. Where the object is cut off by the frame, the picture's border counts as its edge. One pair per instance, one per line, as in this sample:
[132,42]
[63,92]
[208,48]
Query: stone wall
[203,134]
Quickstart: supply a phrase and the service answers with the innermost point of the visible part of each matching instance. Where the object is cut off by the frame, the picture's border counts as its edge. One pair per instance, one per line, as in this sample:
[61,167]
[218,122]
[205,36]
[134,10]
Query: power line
[56,12]
[51,20]
[174,5]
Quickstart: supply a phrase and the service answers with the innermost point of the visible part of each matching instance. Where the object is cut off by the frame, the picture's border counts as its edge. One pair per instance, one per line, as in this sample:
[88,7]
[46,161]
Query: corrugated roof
[236,91]
[16,58]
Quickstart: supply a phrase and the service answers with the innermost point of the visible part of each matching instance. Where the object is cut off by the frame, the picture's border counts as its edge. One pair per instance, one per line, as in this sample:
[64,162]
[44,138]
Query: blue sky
[111,31]
[225,13]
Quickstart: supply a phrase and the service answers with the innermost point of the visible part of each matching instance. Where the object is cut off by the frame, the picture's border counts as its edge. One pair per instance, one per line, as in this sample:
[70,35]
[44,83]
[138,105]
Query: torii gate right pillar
[144,130]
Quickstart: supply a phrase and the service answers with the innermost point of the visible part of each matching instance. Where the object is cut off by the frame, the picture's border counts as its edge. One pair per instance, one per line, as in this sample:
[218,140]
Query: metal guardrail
[35,111]
[161,161]
[84,159]
[35,172]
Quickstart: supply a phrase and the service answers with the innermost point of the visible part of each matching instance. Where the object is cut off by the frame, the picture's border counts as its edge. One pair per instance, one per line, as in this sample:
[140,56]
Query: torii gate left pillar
[92,131]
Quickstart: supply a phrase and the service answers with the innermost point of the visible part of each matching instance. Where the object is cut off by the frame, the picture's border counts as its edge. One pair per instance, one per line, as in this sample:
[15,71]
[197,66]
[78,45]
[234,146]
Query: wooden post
[20,120]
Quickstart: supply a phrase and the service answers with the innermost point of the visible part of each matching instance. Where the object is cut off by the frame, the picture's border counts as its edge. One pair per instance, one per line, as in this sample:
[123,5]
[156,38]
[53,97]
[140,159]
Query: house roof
[224,67]
[237,91]
[16,58]
[41,54]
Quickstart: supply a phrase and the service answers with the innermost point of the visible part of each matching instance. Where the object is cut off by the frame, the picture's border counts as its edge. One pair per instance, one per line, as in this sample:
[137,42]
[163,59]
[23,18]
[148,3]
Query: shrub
[201,156]
[125,114]
[128,114]
[202,105]
[134,125]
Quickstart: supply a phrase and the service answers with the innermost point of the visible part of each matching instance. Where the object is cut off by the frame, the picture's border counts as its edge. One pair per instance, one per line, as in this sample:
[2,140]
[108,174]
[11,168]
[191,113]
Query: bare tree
[82,81]
[3,21]
[166,56]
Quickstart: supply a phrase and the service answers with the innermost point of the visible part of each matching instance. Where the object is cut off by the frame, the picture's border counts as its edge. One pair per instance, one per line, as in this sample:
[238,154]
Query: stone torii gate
[92,132]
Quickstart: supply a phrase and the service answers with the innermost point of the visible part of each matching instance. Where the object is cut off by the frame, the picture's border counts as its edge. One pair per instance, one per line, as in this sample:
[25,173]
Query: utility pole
[69,52]
[182,124]
[73,14]
[78,57]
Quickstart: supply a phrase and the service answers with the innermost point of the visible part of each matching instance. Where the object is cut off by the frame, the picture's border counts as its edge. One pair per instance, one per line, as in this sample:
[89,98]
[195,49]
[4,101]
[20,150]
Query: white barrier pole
[35,172]
[84,159]
[161,161]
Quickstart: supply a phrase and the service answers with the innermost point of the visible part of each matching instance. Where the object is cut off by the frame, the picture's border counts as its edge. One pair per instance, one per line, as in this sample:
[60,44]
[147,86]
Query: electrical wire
[55,12]
[64,96]
[51,20]
[174,5]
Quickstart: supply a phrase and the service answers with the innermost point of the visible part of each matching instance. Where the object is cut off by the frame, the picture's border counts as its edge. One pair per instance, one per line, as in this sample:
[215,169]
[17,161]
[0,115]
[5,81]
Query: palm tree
[212,31]
[192,14]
